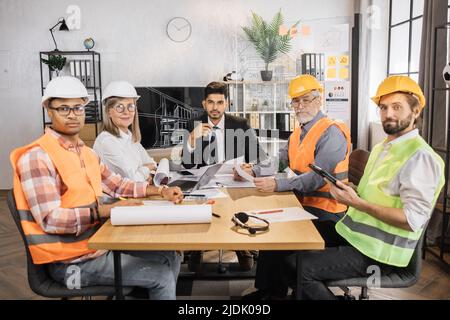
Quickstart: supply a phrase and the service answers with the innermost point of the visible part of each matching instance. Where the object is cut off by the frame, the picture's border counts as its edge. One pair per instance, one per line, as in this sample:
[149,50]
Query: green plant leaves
[265,37]
[55,63]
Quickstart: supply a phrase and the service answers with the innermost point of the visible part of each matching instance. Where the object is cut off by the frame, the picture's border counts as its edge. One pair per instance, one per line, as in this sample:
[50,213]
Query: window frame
[410,21]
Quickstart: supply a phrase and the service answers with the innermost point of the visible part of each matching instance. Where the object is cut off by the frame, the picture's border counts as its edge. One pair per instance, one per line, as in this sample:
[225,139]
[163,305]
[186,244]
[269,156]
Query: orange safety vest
[302,154]
[83,188]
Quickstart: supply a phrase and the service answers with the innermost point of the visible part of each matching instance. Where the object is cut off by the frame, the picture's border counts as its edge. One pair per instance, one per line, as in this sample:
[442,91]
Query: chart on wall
[337,101]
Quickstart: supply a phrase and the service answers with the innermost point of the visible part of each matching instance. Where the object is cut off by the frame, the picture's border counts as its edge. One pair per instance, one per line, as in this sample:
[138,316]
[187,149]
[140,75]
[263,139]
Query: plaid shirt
[42,186]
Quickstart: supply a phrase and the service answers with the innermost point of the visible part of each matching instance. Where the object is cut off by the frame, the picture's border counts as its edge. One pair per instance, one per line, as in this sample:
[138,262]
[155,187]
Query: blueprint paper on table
[165,214]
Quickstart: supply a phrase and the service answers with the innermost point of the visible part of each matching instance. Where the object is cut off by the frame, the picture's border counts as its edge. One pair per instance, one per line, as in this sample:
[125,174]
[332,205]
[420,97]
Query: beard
[393,127]
[304,118]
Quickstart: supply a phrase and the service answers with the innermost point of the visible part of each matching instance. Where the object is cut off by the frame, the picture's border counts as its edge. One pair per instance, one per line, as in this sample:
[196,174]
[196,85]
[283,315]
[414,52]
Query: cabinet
[86,66]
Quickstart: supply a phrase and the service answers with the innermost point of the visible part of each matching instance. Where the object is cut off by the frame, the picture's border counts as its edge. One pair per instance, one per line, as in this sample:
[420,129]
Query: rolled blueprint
[142,215]
[162,173]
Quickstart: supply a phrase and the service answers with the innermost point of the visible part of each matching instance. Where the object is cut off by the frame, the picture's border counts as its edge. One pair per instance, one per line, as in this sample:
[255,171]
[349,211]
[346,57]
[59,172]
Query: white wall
[132,41]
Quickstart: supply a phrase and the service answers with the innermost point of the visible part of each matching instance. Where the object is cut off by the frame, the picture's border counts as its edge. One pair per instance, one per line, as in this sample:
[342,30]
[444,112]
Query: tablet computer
[324,174]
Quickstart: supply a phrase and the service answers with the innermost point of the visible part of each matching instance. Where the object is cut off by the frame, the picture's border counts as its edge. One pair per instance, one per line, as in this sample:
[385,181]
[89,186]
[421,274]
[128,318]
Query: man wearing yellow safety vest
[394,201]
[318,140]
[58,187]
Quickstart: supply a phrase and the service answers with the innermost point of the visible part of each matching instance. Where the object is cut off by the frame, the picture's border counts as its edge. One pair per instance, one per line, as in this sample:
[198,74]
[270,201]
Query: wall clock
[179,29]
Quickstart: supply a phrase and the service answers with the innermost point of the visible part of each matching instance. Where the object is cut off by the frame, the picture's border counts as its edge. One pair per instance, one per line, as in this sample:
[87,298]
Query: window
[405,34]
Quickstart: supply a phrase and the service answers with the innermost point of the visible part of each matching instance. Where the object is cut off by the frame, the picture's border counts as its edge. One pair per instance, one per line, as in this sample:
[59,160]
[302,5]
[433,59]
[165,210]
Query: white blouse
[123,156]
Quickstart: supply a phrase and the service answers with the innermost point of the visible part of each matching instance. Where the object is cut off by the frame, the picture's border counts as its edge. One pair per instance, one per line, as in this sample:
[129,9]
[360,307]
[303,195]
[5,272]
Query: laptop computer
[189,186]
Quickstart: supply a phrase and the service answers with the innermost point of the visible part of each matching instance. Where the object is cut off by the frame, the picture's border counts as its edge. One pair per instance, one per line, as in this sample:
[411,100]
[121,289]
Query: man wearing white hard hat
[118,145]
[58,184]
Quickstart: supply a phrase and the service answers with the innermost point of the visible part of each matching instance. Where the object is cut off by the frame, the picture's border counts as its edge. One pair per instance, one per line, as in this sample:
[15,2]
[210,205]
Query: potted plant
[55,63]
[268,41]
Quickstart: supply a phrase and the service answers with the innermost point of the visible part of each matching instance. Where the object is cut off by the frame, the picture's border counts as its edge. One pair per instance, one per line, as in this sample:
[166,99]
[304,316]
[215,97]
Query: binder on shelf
[88,73]
[318,66]
[292,122]
[83,71]
[262,122]
[322,67]
[72,68]
[314,64]
[77,69]
[312,71]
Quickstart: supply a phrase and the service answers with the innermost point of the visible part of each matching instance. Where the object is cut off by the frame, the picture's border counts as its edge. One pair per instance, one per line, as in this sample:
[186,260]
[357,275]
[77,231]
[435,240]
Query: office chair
[357,162]
[39,279]
[397,278]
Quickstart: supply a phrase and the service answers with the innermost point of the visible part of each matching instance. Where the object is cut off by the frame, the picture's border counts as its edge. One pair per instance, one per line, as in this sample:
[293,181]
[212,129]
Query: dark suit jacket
[189,160]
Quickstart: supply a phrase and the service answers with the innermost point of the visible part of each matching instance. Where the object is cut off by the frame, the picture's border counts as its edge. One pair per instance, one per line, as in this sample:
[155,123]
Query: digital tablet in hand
[324,174]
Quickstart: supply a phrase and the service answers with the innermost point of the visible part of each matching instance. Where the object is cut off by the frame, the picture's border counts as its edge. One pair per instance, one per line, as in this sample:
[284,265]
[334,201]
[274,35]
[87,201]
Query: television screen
[164,109]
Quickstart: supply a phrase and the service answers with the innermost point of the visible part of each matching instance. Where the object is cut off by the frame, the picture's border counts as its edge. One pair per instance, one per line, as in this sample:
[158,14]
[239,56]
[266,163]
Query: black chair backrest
[37,274]
[357,162]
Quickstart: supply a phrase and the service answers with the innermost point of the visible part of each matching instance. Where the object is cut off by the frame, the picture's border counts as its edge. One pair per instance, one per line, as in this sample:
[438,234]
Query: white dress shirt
[415,182]
[220,139]
[123,156]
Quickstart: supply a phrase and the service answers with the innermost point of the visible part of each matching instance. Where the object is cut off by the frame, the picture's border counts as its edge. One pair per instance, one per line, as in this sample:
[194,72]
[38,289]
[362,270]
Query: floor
[434,282]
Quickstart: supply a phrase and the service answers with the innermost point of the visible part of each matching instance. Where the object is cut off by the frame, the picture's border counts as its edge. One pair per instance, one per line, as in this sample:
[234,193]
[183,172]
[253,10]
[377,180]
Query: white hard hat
[122,89]
[65,87]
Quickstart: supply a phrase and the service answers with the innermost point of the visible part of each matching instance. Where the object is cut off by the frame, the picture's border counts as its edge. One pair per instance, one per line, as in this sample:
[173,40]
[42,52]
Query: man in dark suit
[216,137]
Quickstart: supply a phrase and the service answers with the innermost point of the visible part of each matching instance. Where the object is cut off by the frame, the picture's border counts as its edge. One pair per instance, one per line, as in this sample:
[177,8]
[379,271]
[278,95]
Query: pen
[195,195]
[215,215]
[271,211]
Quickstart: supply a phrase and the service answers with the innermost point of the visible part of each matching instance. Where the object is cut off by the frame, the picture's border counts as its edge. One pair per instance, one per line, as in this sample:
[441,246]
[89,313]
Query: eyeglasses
[65,110]
[240,219]
[120,108]
[303,102]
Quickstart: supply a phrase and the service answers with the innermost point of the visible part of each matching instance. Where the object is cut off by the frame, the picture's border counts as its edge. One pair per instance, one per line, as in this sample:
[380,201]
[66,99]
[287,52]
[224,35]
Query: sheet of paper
[211,193]
[162,173]
[143,215]
[242,173]
[288,214]
[227,181]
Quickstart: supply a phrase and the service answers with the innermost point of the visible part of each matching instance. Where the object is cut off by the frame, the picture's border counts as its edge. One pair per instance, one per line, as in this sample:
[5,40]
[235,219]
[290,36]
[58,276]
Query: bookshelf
[265,104]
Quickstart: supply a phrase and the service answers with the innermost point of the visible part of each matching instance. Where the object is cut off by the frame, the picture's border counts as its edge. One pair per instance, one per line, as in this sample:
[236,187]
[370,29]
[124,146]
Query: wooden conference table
[220,234]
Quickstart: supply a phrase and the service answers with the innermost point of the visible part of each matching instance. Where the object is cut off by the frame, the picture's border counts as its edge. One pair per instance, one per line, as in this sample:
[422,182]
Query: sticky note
[331,61]
[283,30]
[343,60]
[331,73]
[306,30]
[343,73]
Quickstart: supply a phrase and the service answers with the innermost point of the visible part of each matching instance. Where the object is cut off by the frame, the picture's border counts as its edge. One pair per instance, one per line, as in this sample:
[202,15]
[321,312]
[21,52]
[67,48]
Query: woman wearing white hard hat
[118,145]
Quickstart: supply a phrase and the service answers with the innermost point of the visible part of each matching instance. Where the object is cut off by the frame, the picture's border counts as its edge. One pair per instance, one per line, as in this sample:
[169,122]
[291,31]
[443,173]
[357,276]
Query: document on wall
[283,214]
[162,174]
[161,214]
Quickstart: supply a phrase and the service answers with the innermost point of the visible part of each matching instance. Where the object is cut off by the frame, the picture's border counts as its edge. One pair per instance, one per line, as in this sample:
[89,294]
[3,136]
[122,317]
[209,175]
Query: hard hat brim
[46,98]
[122,96]
[302,93]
